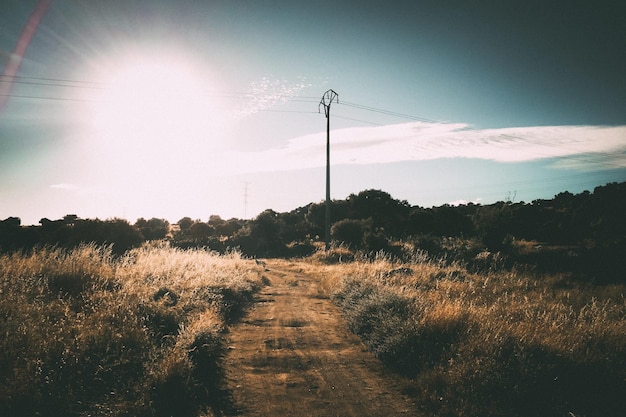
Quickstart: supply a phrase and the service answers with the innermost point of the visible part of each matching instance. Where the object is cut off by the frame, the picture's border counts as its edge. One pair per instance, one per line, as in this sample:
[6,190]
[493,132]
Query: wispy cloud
[266,93]
[600,146]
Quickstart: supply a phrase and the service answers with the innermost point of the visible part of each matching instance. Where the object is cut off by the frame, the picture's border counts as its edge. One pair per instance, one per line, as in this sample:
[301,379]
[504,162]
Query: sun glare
[154,134]
[155,103]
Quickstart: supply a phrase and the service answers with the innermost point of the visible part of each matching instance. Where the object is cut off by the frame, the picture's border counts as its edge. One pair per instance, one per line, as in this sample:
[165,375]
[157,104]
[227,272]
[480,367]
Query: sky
[169,109]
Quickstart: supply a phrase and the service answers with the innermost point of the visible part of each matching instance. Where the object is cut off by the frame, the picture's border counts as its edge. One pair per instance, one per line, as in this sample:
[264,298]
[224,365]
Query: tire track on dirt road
[293,355]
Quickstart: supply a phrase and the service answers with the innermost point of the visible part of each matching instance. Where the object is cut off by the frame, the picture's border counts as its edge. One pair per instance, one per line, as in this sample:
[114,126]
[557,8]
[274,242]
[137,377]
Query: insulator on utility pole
[327,99]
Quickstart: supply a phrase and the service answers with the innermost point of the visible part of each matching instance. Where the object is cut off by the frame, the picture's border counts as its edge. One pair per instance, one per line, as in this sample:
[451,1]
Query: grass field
[85,333]
[500,343]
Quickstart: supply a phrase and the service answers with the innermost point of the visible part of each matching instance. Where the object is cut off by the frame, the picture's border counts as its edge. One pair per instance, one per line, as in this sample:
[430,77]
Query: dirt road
[293,355]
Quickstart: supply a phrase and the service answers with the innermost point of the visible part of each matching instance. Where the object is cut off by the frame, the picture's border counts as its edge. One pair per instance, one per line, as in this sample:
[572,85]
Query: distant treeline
[583,233]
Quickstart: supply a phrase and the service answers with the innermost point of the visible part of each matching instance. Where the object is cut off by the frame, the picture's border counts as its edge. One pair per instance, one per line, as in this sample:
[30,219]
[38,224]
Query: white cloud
[602,147]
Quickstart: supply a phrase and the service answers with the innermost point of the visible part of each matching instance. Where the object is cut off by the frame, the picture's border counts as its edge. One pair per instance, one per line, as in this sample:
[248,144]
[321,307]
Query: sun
[153,100]
[153,127]
[153,112]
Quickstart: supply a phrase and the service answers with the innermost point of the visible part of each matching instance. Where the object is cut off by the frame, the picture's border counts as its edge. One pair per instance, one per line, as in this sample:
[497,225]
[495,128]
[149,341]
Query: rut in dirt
[293,355]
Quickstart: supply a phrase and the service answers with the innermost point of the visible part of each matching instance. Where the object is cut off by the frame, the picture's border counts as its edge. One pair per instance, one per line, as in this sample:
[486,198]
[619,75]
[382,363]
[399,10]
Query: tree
[11,222]
[70,219]
[215,220]
[350,232]
[315,218]
[493,224]
[263,236]
[122,235]
[386,212]
[184,223]
[10,233]
[228,227]
[154,228]
[200,229]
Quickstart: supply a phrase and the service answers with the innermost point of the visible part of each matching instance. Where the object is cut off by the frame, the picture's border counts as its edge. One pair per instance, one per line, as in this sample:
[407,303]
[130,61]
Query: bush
[349,232]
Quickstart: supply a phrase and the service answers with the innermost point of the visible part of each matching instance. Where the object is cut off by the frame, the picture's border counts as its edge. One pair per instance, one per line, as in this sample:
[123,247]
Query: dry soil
[293,355]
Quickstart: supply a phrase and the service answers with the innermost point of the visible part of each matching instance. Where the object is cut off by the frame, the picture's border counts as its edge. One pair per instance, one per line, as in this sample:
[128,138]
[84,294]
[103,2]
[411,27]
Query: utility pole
[245,199]
[326,101]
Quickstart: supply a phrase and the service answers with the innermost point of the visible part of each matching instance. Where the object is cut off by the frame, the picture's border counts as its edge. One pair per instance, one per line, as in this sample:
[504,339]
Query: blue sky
[170,109]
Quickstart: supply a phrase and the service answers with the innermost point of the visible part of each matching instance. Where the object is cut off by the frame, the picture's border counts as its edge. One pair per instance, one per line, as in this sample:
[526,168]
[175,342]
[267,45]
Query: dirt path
[294,356]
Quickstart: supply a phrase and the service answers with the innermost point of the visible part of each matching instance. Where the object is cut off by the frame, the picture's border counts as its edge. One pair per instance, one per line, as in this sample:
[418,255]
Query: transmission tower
[245,199]
[327,99]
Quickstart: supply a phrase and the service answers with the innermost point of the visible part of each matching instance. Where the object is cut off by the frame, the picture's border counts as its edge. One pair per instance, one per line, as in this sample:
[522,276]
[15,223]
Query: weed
[86,333]
[498,343]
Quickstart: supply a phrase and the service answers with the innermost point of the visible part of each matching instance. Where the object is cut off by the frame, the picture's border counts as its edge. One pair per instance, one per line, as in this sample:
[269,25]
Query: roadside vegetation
[584,234]
[509,309]
[85,332]
[499,342]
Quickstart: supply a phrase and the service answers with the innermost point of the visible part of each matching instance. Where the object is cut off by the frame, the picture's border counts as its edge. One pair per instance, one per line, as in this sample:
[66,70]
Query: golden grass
[87,333]
[499,343]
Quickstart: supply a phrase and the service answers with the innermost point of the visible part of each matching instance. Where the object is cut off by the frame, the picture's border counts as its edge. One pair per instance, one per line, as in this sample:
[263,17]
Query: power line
[501,135]
[47,98]
[281,97]
[388,112]
[19,79]
[246,184]
[95,85]
[358,120]
[93,100]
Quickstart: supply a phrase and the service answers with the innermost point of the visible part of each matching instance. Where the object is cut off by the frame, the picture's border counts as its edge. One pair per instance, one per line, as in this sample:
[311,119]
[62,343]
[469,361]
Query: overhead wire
[527,185]
[54,82]
[386,112]
[357,120]
[66,83]
[283,97]
[93,85]
[500,135]
[45,98]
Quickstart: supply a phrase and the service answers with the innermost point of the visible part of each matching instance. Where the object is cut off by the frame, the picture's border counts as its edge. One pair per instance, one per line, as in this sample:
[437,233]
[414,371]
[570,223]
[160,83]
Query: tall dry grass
[86,333]
[500,343]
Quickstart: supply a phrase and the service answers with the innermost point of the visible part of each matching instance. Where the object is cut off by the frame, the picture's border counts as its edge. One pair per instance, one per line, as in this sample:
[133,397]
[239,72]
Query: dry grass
[85,333]
[500,343]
